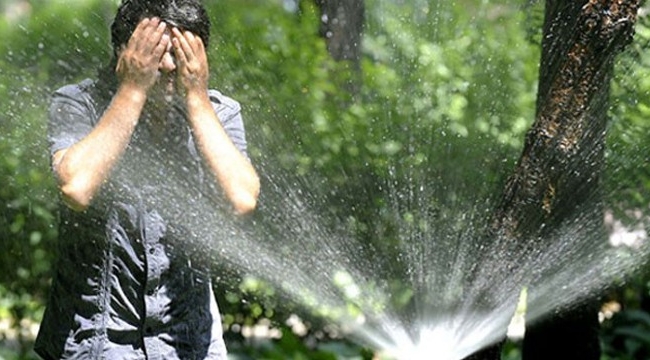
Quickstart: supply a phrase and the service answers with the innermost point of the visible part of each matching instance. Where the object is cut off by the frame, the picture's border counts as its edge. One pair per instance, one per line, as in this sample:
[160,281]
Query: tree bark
[341,26]
[558,172]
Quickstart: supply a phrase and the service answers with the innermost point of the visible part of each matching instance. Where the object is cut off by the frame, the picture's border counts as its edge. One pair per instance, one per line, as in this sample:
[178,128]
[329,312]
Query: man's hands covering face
[140,61]
[192,61]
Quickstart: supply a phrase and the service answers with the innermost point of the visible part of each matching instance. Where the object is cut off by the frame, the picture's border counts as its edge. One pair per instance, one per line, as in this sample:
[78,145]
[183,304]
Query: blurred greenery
[445,83]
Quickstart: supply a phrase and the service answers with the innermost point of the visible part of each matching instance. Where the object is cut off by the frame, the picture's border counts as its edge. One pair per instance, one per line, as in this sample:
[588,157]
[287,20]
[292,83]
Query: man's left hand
[192,62]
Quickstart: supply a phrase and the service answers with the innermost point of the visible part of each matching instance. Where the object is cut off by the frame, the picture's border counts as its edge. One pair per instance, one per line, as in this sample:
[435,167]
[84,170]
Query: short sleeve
[229,113]
[71,116]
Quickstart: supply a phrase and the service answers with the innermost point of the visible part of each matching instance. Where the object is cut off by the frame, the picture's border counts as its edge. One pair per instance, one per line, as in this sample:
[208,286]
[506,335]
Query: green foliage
[445,93]
[627,336]
[629,181]
[290,346]
[43,47]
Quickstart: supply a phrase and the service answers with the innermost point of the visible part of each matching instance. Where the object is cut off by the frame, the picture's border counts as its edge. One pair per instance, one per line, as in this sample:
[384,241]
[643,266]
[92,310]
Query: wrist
[197,98]
[132,92]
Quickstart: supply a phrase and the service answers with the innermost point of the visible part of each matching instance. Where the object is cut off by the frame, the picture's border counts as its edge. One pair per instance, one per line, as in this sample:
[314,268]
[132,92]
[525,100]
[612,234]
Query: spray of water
[441,291]
[444,293]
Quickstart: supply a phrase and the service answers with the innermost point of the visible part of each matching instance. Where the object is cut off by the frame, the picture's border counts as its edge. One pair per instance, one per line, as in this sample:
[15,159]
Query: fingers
[162,46]
[137,33]
[191,60]
[187,46]
[182,48]
[154,40]
[179,42]
[139,60]
[149,37]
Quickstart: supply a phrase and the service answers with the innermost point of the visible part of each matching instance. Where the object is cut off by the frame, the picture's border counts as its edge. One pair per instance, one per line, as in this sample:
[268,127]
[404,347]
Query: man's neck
[159,117]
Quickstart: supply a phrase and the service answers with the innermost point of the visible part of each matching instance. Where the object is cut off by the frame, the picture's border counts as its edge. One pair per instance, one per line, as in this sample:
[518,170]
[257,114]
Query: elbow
[76,195]
[246,201]
[245,206]
[76,191]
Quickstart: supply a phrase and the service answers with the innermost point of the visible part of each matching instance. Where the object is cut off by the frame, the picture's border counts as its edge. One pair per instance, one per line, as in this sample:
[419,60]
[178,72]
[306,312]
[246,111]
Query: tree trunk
[342,28]
[558,172]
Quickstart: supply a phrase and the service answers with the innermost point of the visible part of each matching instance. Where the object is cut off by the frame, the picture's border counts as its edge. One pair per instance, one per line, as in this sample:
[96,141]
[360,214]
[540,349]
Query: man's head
[185,15]
[189,15]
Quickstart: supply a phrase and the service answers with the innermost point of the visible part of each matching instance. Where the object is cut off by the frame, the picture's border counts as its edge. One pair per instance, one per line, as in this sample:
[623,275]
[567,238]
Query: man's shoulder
[81,98]
[77,90]
[219,99]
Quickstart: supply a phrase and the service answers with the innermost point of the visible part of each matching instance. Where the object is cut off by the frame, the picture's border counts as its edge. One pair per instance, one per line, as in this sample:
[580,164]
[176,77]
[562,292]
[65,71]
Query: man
[124,287]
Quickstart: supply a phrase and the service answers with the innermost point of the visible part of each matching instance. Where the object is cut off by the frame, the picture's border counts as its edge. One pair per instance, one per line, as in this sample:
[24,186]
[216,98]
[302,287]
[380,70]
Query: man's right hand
[137,64]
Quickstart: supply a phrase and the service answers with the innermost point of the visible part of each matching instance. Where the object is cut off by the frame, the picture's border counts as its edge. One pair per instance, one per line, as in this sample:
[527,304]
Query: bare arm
[83,167]
[232,170]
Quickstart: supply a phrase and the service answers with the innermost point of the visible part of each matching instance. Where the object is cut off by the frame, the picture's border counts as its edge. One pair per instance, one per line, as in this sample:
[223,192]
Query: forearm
[232,170]
[82,168]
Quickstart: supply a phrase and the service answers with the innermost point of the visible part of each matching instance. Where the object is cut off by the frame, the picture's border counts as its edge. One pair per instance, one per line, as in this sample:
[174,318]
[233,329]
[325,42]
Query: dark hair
[187,15]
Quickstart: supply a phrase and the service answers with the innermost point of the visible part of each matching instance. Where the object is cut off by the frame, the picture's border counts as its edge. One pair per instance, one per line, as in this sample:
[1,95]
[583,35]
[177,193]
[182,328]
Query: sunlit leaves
[447,88]
[627,175]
